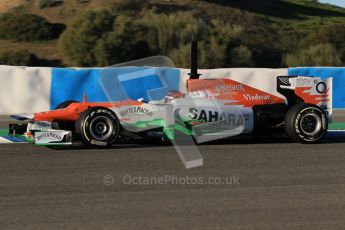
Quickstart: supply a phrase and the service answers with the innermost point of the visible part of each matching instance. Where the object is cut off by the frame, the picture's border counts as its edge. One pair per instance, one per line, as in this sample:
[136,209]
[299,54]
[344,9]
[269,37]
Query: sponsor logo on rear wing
[313,90]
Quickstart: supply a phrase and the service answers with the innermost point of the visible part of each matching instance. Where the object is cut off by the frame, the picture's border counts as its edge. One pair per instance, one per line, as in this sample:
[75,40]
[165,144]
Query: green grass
[337,126]
[3,132]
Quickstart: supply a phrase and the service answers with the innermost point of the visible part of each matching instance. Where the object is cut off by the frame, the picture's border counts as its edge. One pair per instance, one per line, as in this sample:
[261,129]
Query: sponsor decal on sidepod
[136,110]
[212,116]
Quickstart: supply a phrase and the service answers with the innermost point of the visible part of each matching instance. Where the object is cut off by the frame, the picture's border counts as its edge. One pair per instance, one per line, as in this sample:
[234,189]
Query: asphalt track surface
[262,184]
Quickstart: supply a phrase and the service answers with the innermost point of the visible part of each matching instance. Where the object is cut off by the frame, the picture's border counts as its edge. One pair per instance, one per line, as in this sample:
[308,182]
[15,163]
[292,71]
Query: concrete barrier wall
[29,89]
[24,89]
[72,84]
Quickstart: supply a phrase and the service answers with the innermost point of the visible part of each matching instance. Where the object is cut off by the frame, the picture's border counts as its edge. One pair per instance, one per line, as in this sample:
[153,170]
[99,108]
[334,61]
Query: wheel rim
[101,128]
[311,124]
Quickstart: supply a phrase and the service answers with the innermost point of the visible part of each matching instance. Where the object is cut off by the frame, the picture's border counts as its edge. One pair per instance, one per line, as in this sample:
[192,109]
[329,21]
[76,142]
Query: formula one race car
[211,109]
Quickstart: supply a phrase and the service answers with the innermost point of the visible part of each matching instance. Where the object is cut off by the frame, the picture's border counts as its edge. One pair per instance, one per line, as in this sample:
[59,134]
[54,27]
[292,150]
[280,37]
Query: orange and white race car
[211,109]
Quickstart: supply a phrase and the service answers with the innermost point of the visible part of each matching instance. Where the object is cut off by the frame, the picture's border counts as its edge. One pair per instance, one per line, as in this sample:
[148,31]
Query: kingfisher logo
[222,88]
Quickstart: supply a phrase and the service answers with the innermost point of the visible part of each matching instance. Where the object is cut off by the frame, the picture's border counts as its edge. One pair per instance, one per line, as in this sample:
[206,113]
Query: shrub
[318,55]
[129,5]
[219,45]
[25,27]
[47,3]
[168,32]
[240,56]
[82,1]
[333,35]
[79,41]
[101,38]
[126,43]
[18,58]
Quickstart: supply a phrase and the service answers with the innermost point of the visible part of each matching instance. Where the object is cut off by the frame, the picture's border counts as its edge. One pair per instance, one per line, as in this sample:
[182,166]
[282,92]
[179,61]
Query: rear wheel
[306,123]
[98,127]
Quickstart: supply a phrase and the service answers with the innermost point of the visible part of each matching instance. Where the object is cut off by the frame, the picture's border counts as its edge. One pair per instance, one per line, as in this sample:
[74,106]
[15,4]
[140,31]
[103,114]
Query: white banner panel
[24,89]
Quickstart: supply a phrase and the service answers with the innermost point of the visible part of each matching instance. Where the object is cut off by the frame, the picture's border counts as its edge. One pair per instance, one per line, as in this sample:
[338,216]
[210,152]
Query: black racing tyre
[98,127]
[306,123]
[63,125]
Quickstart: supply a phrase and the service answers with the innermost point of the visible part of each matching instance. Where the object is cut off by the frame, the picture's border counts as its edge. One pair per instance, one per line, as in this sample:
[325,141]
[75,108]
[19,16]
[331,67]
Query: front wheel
[98,127]
[306,123]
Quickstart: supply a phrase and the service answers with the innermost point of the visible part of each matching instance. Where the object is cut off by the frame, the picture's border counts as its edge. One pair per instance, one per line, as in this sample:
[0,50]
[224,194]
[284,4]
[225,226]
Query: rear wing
[313,90]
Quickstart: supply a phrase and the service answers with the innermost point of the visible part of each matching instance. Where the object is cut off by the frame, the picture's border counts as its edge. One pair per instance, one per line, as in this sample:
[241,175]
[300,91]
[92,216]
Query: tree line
[130,30]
